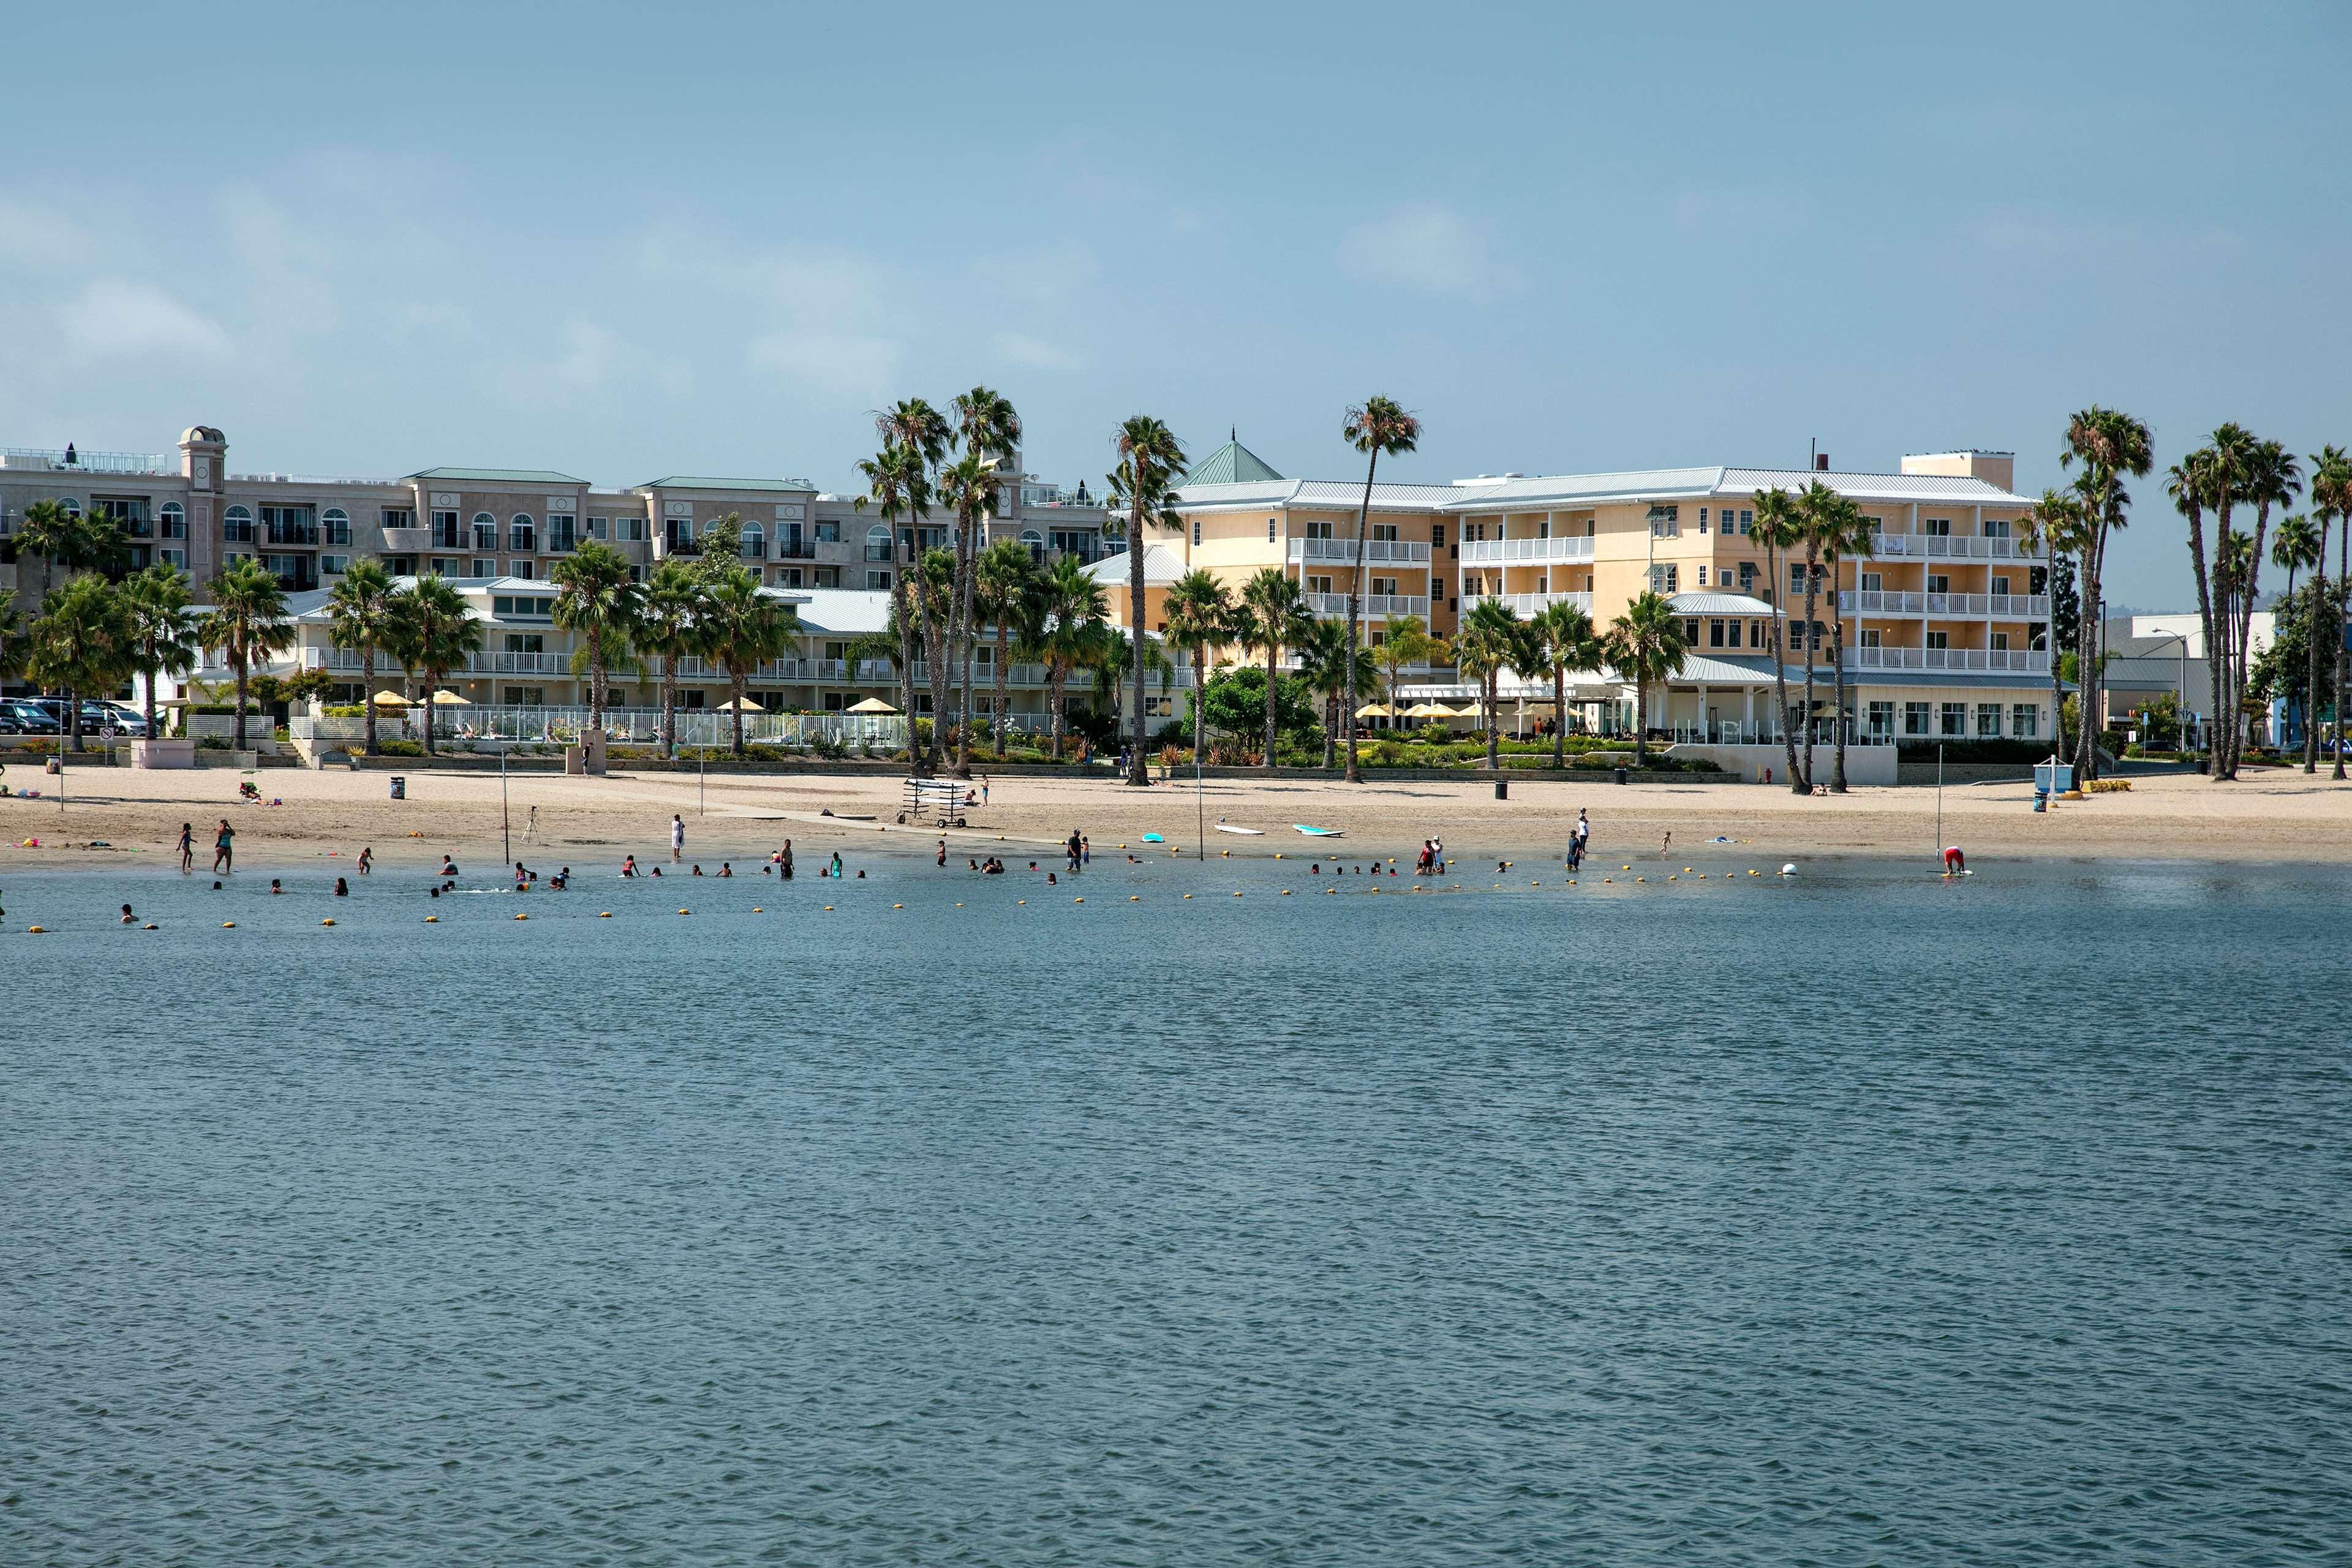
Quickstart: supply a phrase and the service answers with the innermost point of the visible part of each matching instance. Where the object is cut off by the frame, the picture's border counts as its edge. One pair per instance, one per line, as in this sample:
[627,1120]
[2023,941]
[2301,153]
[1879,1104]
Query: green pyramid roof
[1231,464]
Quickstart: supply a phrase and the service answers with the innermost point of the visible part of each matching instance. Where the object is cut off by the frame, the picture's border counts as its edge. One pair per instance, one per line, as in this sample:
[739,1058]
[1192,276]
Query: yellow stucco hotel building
[1945,619]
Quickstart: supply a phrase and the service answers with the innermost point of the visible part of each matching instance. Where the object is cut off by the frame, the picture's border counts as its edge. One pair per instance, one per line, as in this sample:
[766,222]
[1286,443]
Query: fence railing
[1560,547]
[1404,550]
[642,726]
[2014,661]
[1330,605]
[1524,604]
[1957,546]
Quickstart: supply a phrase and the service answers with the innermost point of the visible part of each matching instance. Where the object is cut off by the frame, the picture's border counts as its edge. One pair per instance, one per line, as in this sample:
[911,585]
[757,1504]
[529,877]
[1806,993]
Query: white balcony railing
[1560,547]
[1528,604]
[2010,606]
[2013,661]
[1374,606]
[1952,546]
[1345,549]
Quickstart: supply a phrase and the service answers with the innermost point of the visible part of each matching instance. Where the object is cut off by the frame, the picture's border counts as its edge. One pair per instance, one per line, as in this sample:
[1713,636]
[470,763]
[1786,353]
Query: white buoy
[1789,869]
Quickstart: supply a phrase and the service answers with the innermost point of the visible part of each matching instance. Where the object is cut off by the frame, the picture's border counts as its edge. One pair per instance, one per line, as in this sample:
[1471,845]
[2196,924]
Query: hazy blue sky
[631,240]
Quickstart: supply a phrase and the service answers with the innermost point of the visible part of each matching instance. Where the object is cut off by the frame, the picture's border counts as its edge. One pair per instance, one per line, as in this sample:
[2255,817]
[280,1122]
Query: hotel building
[1944,618]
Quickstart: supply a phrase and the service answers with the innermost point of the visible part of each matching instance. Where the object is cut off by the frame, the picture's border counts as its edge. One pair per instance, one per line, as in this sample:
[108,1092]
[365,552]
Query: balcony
[1377,550]
[1528,604]
[1560,547]
[791,549]
[2013,661]
[1374,606]
[880,552]
[1973,606]
[1951,546]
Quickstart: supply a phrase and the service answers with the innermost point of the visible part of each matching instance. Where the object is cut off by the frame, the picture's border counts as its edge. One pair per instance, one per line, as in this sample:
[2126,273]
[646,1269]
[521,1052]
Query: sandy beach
[2269,816]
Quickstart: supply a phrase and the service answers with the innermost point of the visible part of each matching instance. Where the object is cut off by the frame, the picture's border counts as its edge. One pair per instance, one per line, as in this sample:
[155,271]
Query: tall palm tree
[1835,527]
[744,627]
[1004,590]
[248,623]
[670,627]
[2192,484]
[2053,525]
[596,597]
[2296,545]
[159,633]
[990,429]
[1150,460]
[1324,657]
[70,542]
[1374,426]
[969,491]
[1777,528]
[1405,640]
[1273,616]
[1200,620]
[2111,445]
[358,616]
[2277,479]
[1073,608]
[1489,642]
[2331,487]
[898,485]
[2228,464]
[1109,658]
[11,638]
[1821,512]
[1567,644]
[1646,643]
[79,644]
[433,633]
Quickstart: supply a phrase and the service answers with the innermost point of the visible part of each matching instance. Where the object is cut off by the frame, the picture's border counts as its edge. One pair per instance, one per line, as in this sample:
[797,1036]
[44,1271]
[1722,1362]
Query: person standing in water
[187,848]
[837,865]
[676,838]
[1955,863]
[224,857]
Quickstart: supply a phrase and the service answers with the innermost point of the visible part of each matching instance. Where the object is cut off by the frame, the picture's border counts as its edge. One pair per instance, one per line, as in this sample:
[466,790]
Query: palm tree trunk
[669,706]
[1330,732]
[2245,625]
[367,695]
[1641,722]
[905,599]
[735,693]
[1837,669]
[432,679]
[1494,742]
[1558,715]
[1355,603]
[962,637]
[1004,684]
[2217,648]
[1138,772]
[1199,723]
[1057,676]
[1780,659]
[597,678]
[2204,614]
[152,671]
[1812,601]
[2343,581]
[2311,660]
[74,708]
[1273,653]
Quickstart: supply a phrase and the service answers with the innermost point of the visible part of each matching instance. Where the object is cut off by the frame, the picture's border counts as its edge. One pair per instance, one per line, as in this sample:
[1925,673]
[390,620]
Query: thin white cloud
[1429,247]
[113,317]
[1035,353]
[35,237]
[837,366]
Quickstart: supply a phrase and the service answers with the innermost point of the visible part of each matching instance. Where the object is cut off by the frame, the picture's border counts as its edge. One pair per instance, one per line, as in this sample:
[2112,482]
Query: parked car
[9,723]
[33,718]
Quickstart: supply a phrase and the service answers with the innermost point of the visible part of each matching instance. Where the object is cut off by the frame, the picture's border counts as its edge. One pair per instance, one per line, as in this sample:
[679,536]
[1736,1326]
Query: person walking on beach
[1665,843]
[1085,851]
[983,791]
[223,859]
[1070,848]
[187,848]
[943,851]
[367,859]
[676,838]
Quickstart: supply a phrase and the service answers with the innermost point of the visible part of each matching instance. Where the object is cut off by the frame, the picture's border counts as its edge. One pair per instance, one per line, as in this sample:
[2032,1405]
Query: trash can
[399,788]
[2040,800]
[1502,789]
[1620,774]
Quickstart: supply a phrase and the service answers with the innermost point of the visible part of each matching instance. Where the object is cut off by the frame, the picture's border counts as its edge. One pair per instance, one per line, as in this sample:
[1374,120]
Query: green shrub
[389,748]
[346,710]
[212,742]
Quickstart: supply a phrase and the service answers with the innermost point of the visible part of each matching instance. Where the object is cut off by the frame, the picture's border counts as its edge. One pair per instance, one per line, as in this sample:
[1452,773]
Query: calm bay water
[1857,1219]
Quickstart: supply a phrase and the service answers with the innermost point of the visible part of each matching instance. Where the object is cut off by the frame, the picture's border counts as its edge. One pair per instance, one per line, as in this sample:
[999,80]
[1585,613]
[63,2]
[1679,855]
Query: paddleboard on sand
[1153,838]
[1319,832]
[1251,832]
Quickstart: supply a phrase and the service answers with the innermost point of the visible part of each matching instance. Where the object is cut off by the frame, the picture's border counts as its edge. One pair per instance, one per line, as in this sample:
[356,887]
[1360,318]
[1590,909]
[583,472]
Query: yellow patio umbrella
[1373,711]
[872,705]
[747,705]
[1431,711]
[449,699]
[391,700]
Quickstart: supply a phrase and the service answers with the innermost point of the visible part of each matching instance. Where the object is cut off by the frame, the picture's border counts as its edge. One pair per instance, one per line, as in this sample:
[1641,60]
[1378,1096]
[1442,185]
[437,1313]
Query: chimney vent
[1821,462]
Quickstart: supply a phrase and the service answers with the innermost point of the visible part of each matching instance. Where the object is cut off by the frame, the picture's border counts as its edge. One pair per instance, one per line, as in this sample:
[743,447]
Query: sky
[625,241]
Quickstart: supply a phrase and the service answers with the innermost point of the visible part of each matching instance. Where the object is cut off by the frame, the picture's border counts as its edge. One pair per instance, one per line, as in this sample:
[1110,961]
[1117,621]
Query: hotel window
[1319,529]
[751,544]
[400,565]
[1437,536]
[877,582]
[562,530]
[1690,632]
[1702,576]
[441,566]
[522,568]
[1882,719]
[1386,533]
[2024,720]
[1269,530]
[178,558]
[1936,527]
[171,523]
[1939,639]
[2000,642]
[1715,633]
[397,517]
[1987,721]
[444,530]
[1756,637]
[1747,577]
[1196,531]
[526,642]
[1033,542]
[1735,632]
[1956,719]
[237,526]
[788,577]
[1939,583]
[600,527]
[333,565]
[1996,528]
[1663,578]
[629,529]
[1665,523]
[484,568]
[1702,519]
[2001,587]
[828,533]
[1870,637]
[828,576]
[522,534]
[486,531]
[1385,587]
[1874,582]
[334,526]
[1747,520]
[1914,718]
[1318,586]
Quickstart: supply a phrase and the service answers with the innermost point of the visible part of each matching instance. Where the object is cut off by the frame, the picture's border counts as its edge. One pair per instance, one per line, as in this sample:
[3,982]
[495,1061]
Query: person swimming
[128,918]
[629,867]
[343,889]
[274,888]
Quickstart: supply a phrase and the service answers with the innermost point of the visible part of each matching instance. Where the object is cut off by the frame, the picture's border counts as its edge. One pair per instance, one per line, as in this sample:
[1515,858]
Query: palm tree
[2192,482]
[2275,480]
[1821,511]
[1404,640]
[1646,643]
[2331,488]
[358,616]
[1779,528]
[1110,657]
[2111,445]
[898,485]
[248,623]
[1325,658]
[1837,528]
[744,627]
[72,542]
[670,627]
[991,431]
[969,492]
[12,640]
[1151,460]
[79,643]
[1005,587]
[1072,607]
[1567,643]
[1376,426]
[1199,618]
[1489,642]
[2054,525]
[159,635]
[2297,544]
[598,598]
[1273,616]
[433,633]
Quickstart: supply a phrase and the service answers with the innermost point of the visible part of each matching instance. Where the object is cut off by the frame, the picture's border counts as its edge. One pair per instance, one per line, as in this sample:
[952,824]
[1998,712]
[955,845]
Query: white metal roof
[849,612]
[1872,487]
[1718,604]
[1319,493]
[1161,566]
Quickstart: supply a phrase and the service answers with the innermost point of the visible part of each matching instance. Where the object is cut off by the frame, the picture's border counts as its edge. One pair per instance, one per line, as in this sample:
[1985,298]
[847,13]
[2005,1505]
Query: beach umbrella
[1429,711]
[391,700]
[1371,710]
[872,705]
[748,706]
[449,699]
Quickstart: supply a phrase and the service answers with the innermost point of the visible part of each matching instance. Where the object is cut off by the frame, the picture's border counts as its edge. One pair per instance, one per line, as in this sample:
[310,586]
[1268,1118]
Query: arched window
[335,525]
[486,531]
[171,521]
[878,542]
[753,544]
[72,505]
[1034,542]
[522,534]
[237,525]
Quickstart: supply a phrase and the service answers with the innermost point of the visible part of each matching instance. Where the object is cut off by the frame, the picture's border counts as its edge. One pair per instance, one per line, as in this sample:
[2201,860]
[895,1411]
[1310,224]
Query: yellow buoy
[151,925]
[686,912]
[1078,901]
[228,925]
[605,914]
[1641,878]
[959,906]
[1685,868]
[828,906]
[1188,895]
[1226,852]
[758,910]
[1286,892]
[1624,867]
[898,906]
[1278,854]
[1016,900]
[1131,898]
[517,917]
[1608,879]
[1671,877]
[328,922]
[1237,892]
[1751,871]
[432,920]
[33,931]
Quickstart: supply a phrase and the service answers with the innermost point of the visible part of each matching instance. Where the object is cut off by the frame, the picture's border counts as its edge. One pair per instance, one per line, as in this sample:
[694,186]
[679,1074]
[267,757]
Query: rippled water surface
[1854,1218]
